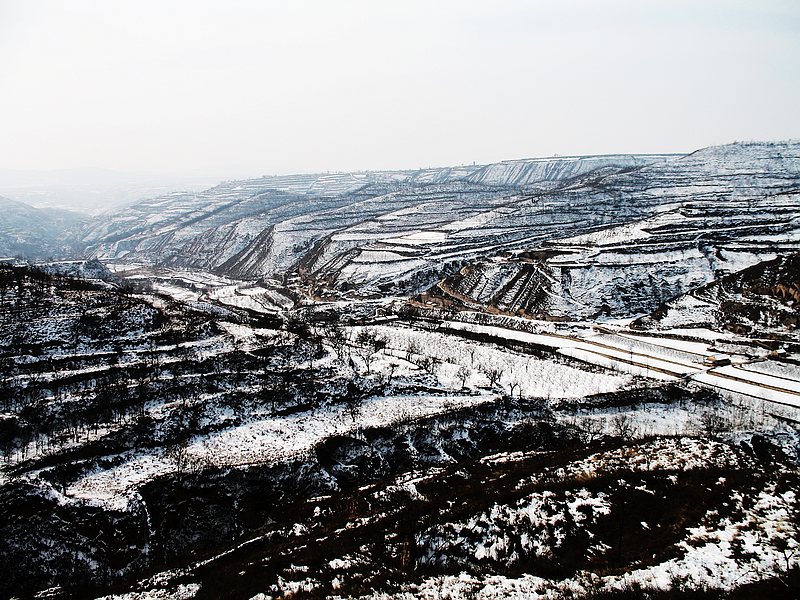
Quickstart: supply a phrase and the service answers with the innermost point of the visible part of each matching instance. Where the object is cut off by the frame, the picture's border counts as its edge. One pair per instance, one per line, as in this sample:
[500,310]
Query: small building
[717,360]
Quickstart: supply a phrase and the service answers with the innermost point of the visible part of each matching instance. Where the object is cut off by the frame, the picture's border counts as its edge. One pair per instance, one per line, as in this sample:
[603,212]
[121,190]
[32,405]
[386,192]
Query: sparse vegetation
[373,407]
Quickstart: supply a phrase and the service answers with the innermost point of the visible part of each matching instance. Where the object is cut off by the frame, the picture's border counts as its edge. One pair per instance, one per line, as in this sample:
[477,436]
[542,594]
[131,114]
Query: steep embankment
[762,301]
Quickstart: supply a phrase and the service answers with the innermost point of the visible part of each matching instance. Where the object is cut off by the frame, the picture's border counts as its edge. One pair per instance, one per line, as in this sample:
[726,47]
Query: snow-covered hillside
[569,377]
[672,226]
[36,232]
[257,227]
[578,235]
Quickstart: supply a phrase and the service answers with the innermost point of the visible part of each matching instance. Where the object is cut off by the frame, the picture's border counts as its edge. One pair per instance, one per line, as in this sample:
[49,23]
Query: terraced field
[576,377]
[556,238]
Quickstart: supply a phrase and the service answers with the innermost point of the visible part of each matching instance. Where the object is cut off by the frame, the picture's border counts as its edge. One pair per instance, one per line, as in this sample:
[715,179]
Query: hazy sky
[243,88]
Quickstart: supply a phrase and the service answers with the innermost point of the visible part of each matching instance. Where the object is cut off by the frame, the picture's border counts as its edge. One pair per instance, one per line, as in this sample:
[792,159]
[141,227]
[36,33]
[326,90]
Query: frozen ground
[467,371]
[666,359]
[262,441]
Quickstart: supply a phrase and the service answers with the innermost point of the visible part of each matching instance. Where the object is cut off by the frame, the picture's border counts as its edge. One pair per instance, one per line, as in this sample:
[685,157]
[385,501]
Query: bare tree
[462,375]
[353,399]
[368,345]
[592,429]
[390,373]
[179,454]
[623,426]
[713,423]
[471,349]
[411,350]
[493,374]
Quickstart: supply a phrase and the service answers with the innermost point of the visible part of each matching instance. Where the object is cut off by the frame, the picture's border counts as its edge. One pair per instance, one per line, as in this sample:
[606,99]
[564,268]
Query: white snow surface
[267,440]
[523,374]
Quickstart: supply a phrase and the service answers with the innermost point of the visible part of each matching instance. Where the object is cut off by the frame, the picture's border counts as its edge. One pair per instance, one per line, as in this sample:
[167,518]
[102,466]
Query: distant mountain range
[574,376]
[93,191]
[556,237]
[38,232]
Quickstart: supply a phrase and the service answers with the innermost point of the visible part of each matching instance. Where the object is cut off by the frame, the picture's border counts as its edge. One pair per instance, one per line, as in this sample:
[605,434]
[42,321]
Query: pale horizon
[177,89]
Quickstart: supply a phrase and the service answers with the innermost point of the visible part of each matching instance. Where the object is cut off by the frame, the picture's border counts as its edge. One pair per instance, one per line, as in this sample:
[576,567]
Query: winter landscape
[560,377]
[448,300]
